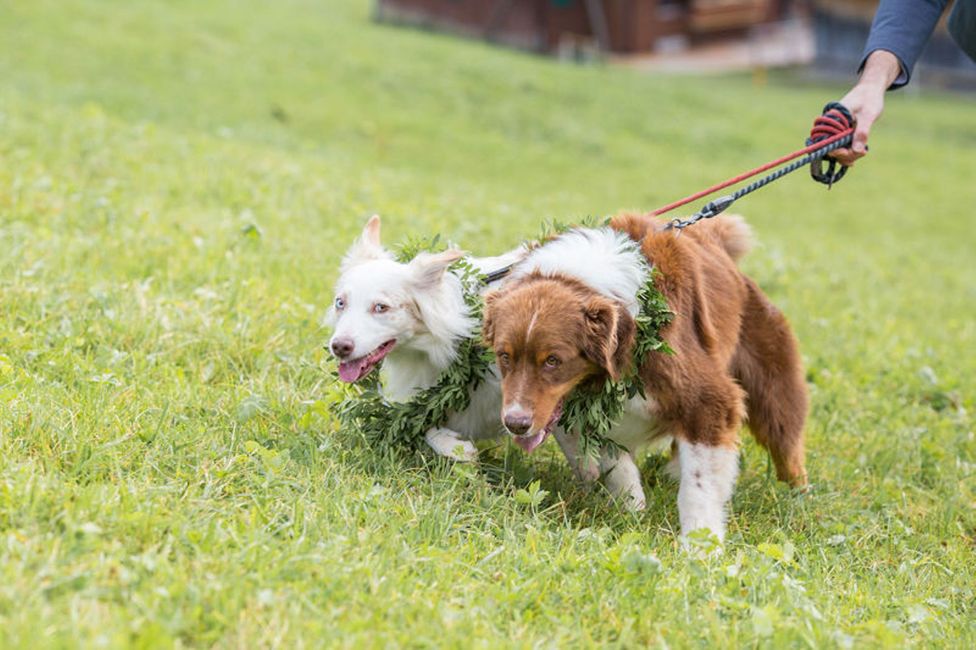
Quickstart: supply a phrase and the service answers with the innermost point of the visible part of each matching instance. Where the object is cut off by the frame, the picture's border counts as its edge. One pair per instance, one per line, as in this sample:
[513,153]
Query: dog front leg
[623,480]
[450,444]
[587,469]
[707,476]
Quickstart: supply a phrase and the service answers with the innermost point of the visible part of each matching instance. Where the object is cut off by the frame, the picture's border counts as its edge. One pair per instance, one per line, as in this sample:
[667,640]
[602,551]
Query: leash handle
[835,120]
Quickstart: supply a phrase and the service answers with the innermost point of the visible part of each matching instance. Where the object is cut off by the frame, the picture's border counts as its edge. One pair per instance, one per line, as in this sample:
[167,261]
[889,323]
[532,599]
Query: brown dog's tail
[732,231]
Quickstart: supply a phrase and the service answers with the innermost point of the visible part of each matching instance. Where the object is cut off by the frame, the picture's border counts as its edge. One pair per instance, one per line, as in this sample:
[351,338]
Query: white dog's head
[381,303]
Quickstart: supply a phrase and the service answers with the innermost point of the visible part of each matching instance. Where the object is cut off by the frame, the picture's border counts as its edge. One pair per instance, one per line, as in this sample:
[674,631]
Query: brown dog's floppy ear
[366,248]
[428,268]
[488,316]
[609,336]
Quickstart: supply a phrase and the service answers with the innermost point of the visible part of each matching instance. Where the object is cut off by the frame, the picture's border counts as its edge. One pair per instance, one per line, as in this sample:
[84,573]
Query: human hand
[865,101]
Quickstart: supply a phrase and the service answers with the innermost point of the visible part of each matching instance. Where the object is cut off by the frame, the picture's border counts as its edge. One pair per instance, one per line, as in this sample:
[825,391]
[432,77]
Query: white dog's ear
[428,268]
[371,233]
[367,247]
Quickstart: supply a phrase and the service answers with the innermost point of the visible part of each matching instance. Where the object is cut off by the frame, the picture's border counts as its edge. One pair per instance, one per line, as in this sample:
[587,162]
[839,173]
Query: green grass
[177,183]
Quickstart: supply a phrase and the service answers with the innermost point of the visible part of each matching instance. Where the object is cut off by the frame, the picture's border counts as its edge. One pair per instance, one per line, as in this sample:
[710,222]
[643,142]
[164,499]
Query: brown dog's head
[550,334]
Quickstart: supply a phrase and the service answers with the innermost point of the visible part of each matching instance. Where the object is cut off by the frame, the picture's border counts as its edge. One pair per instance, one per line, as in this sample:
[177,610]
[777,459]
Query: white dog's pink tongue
[528,443]
[352,371]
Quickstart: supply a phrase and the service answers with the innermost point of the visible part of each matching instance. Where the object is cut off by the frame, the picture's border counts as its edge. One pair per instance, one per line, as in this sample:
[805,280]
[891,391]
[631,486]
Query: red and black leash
[833,130]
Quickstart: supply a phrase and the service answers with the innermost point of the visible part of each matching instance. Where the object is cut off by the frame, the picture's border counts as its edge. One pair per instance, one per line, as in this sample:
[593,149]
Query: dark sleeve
[903,27]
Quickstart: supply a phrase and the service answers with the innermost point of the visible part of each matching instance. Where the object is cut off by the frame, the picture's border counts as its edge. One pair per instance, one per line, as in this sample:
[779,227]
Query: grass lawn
[177,183]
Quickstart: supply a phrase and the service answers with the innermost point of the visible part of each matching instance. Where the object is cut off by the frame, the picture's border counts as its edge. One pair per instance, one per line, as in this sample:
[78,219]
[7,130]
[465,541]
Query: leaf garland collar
[591,409]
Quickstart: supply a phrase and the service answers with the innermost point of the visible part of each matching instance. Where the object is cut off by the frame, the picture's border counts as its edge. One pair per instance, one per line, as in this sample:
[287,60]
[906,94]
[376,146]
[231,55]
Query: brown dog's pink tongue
[352,371]
[528,443]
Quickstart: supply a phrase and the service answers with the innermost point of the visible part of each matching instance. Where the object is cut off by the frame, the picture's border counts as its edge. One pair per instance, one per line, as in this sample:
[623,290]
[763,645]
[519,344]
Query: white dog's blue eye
[380,308]
[340,303]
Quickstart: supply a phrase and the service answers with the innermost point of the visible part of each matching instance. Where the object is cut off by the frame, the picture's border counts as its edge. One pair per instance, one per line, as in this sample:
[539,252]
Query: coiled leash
[832,130]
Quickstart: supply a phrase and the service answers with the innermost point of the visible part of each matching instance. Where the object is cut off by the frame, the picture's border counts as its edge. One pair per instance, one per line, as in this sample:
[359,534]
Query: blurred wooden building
[618,26]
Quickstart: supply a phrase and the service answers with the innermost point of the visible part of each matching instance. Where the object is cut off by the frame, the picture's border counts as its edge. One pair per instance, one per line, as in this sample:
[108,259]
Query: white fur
[604,259]
[366,248]
[623,480]
[488,264]
[515,409]
[637,424]
[708,477]
[428,318]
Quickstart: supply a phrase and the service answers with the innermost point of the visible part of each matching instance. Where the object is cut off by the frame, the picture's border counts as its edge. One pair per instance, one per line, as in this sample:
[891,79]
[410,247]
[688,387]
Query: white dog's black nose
[519,424]
[342,347]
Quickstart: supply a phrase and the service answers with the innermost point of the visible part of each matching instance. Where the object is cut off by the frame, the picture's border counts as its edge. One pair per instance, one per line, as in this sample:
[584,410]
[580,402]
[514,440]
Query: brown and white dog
[566,317]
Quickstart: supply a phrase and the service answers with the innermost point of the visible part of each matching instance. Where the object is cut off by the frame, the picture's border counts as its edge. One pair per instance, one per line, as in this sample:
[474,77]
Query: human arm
[900,30]
[865,101]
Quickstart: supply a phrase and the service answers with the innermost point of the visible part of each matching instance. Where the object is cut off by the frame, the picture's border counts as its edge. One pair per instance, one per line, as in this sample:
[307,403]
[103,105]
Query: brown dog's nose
[518,424]
[342,347]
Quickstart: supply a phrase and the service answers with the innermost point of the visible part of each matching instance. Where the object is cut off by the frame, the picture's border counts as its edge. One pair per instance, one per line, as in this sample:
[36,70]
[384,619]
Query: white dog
[413,315]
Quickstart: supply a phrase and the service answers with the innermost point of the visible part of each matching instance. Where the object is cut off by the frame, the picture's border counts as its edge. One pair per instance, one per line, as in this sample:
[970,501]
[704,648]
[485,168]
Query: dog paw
[635,502]
[464,452]
[587,472]
[623,480]
[701,543]
[449,446]
[630,498]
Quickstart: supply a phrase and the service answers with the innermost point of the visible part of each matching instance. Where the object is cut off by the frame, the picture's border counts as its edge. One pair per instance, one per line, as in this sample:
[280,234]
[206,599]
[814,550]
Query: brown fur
[734,352]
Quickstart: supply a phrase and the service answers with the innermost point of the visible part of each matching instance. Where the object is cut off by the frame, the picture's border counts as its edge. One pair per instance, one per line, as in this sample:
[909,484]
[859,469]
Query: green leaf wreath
[404,424]
[590,409]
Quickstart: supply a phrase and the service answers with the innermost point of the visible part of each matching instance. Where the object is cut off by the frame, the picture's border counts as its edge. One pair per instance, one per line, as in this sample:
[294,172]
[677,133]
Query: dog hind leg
[767,365]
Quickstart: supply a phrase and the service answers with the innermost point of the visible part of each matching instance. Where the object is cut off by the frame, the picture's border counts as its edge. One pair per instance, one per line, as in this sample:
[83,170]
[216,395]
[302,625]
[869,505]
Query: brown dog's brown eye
[552,361]
[503,358]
